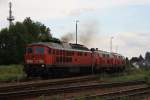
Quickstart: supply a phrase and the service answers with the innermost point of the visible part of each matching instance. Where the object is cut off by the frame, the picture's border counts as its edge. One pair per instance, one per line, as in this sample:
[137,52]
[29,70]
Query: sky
[127,21]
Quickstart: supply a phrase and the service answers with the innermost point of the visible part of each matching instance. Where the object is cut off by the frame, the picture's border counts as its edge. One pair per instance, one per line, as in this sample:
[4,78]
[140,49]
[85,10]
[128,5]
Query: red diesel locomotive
[48,58]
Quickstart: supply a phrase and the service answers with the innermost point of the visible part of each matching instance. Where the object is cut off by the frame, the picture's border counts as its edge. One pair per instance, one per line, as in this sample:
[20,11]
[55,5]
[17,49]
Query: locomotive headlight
[42,65]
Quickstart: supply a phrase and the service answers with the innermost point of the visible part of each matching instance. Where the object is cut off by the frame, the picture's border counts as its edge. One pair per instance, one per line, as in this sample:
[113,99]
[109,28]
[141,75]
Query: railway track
[64,87]
[45,83]
[117,95]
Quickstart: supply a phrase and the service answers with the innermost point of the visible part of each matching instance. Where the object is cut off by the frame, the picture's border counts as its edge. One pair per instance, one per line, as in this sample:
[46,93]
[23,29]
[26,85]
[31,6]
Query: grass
[15,72]
[83,97]
[11,72]
[134,74]
[41,98]
[53,97]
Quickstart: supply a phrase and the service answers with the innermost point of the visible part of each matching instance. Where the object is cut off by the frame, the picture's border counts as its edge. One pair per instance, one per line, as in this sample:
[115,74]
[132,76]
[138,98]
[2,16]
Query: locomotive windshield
[39,50]
[29,50]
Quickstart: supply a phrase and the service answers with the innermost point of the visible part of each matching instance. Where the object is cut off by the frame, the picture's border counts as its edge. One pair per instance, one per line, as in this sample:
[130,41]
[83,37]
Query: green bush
[41,97]
[134,74]
[147,78]
[11,72]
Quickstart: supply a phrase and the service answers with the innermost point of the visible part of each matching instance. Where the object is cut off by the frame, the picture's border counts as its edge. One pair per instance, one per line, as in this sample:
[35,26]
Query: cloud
[132,44]
[56,9]
[87,30]
[3,1]
[128,44]
[39,9]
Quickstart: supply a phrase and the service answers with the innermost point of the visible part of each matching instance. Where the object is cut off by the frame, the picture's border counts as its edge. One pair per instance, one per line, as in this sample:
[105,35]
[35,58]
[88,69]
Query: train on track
[47,58]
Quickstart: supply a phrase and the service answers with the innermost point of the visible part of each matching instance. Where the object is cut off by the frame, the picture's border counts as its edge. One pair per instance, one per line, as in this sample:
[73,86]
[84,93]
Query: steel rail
[66,89]
[44,83]
[117,95]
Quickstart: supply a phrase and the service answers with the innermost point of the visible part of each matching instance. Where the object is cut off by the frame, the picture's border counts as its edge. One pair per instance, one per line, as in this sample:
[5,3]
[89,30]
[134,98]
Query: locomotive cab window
[29,50]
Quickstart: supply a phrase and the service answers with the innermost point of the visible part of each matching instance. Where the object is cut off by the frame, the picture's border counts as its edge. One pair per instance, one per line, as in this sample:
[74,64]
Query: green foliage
[147,78]
[124,98]
[84,98]
[11,72]
[79,98]
[134,74]
[56,97]
[41,97]
[14,39]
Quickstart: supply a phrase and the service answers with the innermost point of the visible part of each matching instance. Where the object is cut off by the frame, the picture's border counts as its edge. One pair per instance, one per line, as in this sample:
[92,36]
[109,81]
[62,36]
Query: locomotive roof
[110,53]
[62,45]
[104,52]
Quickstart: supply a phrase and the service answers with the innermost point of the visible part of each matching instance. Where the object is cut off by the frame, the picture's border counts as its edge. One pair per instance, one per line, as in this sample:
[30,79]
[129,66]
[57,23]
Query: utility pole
[10,18]
[76,30]
[116,49]
[111,43]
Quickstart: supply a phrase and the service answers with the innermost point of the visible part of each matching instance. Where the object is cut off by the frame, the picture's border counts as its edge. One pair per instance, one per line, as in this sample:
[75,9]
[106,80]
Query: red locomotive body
[45,59]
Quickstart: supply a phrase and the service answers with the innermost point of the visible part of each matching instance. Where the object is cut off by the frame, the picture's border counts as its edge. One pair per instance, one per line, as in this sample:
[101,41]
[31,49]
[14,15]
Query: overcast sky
[128,21]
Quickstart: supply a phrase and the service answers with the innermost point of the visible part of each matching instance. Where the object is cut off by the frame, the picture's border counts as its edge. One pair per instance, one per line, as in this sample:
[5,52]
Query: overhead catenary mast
[77,31]
[10,18]
[111,43]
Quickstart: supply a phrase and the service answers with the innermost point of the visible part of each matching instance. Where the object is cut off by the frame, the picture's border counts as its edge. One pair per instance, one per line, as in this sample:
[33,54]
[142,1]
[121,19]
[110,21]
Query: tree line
[14,39]
[141,58]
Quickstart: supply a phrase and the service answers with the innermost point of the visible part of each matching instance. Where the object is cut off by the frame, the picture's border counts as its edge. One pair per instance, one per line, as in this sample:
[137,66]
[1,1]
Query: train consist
[48,58]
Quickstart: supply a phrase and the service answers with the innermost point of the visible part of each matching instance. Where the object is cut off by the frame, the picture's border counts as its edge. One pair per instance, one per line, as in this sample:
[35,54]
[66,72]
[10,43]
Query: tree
[147,56]
[8,48]
[134,59]
[141,58]
[14,39]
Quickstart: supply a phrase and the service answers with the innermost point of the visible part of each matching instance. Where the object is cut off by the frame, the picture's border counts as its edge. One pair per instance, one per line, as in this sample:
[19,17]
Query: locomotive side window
[72,53]
[57,52]
[65,53]
[108,56]
[69,53]
[81,54]
[53,51]
[70,59]
[78,53]
[29,50]
[57,59]
[108,61]
[64,59]
[103,55]
[61,59]
[61,52]
[67,59]
[85,54]
[49,51]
